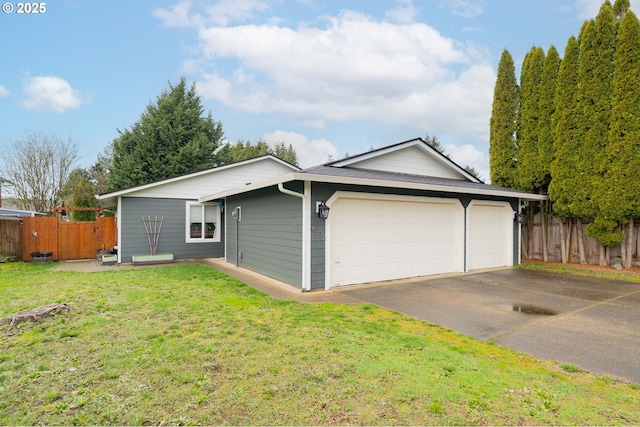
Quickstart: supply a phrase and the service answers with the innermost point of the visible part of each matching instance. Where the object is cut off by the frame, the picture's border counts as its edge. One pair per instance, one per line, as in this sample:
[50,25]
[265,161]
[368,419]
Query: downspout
[306,231]
[119,228]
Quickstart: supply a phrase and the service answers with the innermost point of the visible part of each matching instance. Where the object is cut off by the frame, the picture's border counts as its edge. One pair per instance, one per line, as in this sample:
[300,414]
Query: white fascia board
[417,186]
[250,187]
[296,176]
[191,175]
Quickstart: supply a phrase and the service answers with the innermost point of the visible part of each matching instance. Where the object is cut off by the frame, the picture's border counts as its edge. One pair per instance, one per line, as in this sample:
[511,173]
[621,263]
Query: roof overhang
[481,189]
[111,199]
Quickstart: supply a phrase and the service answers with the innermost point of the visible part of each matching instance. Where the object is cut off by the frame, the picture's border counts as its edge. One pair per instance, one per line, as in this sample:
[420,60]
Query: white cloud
[4,91]
[354,68]
[309,152]
[404,13]
[222,13]
[469,155]
[464,8]
[50,93]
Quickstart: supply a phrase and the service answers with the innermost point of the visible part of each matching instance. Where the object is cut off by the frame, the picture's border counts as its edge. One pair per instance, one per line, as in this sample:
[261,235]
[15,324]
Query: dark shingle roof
[348,172]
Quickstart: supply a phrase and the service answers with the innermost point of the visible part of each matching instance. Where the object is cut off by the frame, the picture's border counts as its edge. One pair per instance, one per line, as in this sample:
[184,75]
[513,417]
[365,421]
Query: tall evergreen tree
[566,139]
[547,108]
[84,197]
[528,118]
[171,138]
[566,135]
[619,198]
[502,129]
[620,8]
[595,76]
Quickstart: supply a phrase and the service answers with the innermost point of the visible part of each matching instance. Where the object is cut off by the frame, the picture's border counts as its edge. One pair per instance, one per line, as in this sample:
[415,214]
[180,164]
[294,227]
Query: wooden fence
[11,237]
[67,240]
[591,246]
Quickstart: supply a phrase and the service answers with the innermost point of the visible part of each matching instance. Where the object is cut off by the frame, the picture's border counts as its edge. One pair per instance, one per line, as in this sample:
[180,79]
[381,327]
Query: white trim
[300,176]
[439,157]
[119,227]
[306,237]
[385,197]
[187,222]
[191,175]
[508,215]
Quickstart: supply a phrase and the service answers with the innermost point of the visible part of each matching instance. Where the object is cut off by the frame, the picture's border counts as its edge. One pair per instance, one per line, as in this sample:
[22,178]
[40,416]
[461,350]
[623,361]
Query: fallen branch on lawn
[34,314]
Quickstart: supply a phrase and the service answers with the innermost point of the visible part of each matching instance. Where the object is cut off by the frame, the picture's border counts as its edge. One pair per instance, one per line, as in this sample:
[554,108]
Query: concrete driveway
[590,323]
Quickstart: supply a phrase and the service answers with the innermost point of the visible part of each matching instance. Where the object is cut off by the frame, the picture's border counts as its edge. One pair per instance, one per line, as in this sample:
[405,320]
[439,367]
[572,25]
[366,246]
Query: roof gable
[414,157]
[193,185]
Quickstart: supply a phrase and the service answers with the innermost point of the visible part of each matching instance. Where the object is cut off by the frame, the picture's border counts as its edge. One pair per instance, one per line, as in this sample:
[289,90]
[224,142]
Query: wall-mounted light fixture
[519,217]
[323,210]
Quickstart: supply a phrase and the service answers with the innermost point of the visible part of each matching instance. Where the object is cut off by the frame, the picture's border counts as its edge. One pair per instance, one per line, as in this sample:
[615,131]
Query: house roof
[345,172]
[418,143]
[18,212]
[110,199]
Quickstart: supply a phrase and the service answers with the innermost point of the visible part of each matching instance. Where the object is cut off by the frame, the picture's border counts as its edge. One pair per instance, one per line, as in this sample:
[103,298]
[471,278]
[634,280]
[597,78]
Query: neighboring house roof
[18,212]
[388,167]
[174,187]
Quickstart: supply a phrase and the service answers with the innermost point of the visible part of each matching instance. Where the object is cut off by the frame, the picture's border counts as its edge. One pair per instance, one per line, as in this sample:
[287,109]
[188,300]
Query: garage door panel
[404,238]
[489,235]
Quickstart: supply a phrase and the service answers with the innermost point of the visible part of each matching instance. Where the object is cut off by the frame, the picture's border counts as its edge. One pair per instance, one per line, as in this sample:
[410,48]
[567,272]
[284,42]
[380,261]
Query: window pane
[210,213]
[195,214]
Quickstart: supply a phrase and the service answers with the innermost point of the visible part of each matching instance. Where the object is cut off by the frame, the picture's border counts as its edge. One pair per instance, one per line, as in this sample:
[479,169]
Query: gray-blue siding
[269,234]
[172,236]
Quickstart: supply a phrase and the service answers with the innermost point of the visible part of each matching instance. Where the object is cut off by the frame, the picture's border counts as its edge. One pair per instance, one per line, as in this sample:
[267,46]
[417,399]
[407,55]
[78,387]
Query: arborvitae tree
[620,196]
[84,197]
[547,108]
[566,140]
[171,138]
[620,8]
[528,118]
[502,129]
[596,72]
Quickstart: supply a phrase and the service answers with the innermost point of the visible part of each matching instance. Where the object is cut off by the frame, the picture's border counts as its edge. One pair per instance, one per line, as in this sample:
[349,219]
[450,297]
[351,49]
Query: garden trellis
[153,226]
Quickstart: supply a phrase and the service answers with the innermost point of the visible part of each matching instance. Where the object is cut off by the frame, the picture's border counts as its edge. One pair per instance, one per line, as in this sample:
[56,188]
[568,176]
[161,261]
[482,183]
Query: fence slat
[592,247]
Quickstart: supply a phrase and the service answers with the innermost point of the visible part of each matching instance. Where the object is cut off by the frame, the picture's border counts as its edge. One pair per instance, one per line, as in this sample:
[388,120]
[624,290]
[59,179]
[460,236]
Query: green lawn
[185,344]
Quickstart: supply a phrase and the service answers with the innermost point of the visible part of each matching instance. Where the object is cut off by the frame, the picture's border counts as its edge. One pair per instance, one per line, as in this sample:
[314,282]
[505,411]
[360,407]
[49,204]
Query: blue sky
[329,77]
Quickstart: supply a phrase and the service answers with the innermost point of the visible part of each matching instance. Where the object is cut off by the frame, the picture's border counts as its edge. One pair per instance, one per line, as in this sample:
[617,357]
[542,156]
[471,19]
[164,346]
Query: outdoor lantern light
[519,217]
[323,210]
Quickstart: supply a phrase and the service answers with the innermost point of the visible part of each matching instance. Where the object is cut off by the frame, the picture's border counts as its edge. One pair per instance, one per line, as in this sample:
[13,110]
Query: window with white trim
[202,222]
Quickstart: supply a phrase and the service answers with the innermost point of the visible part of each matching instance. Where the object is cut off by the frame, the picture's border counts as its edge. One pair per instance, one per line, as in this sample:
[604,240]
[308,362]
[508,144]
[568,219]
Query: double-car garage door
[374,237]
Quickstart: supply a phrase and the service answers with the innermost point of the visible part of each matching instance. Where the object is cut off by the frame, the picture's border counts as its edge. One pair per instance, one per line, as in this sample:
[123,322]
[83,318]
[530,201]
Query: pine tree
[502,129]
[528,118]
[171,138]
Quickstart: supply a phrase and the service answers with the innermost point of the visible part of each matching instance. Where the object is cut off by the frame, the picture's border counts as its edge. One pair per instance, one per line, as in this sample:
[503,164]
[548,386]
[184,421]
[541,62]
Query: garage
[374,237]
[489,234]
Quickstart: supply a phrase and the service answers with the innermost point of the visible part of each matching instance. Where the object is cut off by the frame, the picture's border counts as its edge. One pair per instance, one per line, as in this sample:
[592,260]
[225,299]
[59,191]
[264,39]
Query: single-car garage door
[489,234]
[375,237]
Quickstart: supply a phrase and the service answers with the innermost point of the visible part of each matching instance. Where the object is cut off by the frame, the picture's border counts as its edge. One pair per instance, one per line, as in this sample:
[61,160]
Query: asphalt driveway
[587,322]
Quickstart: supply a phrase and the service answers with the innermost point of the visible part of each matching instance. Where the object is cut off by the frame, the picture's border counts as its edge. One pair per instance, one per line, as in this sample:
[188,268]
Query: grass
[188,345]
[632,276]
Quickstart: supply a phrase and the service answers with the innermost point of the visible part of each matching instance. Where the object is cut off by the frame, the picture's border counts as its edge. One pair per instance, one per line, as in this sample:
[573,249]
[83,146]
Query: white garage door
[489,234]
[371,238]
